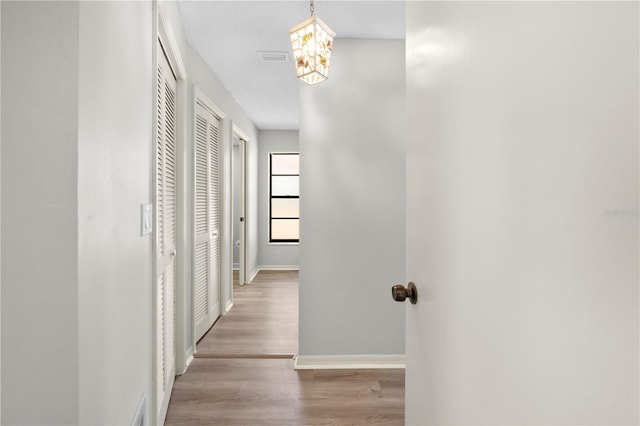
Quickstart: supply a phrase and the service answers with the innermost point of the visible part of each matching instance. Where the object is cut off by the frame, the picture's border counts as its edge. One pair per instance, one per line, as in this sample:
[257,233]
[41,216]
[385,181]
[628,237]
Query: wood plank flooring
[239,376]
[257,392]
[263,319]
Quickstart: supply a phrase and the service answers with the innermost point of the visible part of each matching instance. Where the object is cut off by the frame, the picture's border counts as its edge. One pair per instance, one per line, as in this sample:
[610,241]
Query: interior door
[165,237]
[207,219]
[522,213]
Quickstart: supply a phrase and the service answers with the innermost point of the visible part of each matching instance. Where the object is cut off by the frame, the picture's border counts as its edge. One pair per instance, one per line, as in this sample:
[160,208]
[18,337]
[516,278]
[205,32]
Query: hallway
[243,371]
[263,320]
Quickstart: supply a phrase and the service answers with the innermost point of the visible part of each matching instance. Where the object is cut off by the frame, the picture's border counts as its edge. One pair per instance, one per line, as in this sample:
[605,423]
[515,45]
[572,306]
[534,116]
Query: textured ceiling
[228,35]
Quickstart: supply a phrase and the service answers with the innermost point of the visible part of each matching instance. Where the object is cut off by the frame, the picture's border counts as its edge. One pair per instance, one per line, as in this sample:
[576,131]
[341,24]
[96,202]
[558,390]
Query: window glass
[285,186]
[285,164]
[284,197]
[285,229]
[285,207]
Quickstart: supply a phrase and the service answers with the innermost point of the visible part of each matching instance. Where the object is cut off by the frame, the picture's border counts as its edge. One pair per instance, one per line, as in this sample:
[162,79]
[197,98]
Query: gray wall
[200,75]
[77,157]
[352,202]
[114,177]
[77,145]
[252,206]
[273,255]
[39,213]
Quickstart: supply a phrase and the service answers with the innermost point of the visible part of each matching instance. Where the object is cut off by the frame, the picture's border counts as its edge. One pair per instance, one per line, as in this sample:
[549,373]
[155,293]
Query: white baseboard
[278,267]
[229,306]
[253,275]
[188,355]
[270,268]
[235,267]
[340,362]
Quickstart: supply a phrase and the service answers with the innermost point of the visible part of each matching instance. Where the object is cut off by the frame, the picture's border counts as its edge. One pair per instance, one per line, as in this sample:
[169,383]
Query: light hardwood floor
[263,319]
[269,392]
[239,376]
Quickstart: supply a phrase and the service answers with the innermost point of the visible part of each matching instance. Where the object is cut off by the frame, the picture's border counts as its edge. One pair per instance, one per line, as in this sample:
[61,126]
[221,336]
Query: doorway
[239,205]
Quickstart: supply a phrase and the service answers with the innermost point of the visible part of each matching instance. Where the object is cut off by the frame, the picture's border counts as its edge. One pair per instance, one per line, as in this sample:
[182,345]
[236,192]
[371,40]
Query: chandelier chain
[312,8]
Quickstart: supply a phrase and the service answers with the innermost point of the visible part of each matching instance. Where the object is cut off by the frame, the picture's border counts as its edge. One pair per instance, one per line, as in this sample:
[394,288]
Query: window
[284,197]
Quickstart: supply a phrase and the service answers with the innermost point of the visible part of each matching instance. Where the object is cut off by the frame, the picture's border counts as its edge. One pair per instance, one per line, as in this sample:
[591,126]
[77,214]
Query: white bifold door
[165,237]
[206,248]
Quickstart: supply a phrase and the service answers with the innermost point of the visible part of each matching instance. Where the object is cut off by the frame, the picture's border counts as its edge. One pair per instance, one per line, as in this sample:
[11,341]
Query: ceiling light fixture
[311,42]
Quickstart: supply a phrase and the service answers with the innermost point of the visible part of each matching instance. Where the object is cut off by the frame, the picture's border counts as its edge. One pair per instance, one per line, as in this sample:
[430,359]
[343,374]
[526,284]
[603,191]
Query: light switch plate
[146,219]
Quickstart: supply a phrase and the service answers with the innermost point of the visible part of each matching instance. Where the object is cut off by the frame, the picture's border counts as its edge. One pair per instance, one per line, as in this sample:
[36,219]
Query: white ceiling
[228,35]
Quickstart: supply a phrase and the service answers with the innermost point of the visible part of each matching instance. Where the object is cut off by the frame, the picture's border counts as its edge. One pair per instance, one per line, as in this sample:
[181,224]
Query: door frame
[243,138]
[238,189]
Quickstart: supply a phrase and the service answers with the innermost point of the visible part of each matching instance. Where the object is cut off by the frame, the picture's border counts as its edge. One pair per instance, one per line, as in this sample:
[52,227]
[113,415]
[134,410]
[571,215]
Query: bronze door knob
[400,293]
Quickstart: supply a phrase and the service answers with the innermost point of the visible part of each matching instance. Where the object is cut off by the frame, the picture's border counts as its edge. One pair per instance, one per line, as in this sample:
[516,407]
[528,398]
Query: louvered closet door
[207,220]
[165,233]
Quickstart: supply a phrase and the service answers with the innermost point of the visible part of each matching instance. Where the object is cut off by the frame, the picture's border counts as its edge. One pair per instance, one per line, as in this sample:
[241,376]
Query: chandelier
[311,42]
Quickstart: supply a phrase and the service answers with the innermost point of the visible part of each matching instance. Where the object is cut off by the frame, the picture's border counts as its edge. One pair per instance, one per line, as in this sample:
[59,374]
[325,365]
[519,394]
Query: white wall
[352,202]
[40,381]
[115,151]
[273,255]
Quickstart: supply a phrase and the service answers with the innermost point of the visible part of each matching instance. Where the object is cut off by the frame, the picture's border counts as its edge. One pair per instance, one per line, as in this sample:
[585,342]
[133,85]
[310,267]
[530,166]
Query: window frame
[271,197]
